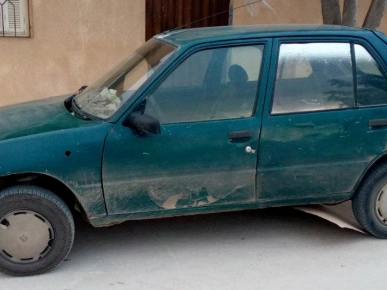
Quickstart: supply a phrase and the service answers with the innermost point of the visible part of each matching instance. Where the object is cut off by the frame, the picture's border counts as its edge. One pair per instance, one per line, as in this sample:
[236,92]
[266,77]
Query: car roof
[186,36]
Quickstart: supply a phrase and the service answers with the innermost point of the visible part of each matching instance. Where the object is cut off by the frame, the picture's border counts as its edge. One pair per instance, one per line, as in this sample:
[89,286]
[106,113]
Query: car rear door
[319,133]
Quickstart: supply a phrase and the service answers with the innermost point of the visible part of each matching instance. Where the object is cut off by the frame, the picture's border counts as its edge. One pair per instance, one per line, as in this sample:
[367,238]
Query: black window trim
[352,40]
[206,46]
[377,60]
[308,39]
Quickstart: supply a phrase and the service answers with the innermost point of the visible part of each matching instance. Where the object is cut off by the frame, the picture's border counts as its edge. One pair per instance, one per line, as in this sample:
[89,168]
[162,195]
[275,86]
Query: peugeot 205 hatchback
[196,121]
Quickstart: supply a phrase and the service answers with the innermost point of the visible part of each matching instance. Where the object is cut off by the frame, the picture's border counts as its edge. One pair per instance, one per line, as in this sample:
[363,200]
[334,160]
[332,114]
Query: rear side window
[371,81]
[313,77]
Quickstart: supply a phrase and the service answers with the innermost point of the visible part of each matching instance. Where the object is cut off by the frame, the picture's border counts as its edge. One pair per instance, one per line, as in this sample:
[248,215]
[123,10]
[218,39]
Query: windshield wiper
[72,106]
[77,110]
[68,101]
[80,90]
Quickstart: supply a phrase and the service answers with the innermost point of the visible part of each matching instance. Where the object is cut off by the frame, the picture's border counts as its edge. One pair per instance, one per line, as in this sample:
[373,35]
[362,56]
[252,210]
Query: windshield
[103,98]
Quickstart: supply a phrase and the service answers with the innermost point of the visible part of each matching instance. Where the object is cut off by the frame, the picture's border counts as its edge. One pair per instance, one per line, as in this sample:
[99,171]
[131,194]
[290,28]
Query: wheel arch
[371,167]
[48,182]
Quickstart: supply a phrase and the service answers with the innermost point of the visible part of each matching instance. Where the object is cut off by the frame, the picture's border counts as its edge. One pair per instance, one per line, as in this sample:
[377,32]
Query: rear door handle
[376,123]
[240,135]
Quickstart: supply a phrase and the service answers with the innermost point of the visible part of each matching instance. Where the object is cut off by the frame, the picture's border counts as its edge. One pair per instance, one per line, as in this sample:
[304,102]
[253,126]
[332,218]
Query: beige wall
[72,43]
[291,11]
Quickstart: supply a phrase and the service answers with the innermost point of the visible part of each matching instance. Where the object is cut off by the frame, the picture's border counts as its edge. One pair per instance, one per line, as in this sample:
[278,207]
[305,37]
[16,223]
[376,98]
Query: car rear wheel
[36,230]
[370,203]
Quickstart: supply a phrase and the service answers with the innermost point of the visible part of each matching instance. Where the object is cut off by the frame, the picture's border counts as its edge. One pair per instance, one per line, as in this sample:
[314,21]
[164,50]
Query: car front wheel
[36,230]
[370,203]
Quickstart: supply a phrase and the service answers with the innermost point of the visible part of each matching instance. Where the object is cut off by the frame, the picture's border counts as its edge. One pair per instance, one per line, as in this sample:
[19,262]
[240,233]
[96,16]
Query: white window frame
[23,25]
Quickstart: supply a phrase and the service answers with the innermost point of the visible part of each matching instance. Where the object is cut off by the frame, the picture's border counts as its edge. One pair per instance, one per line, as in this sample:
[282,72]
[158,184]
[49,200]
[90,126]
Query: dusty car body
[198,121]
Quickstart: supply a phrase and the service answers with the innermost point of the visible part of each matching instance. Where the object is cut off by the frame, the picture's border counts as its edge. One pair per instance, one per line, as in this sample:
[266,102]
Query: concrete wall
[291,11]
[72,43]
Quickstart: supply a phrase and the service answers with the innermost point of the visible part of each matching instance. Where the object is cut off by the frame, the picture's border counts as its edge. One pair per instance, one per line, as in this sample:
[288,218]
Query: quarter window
[211,84]
[313,77]
[371,82]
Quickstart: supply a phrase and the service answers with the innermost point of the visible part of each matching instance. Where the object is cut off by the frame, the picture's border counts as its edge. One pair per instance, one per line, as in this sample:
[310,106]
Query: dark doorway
[169,14]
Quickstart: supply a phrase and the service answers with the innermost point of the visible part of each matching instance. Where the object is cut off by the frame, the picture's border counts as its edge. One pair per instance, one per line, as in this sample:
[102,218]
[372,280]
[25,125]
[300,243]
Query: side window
[296,68]
[313,77]
[371,82]
[212,84]
[191,72]
[243,56]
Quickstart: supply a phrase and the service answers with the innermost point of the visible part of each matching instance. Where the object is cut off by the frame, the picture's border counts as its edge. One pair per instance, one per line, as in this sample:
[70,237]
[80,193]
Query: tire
[36,230]
[369,203]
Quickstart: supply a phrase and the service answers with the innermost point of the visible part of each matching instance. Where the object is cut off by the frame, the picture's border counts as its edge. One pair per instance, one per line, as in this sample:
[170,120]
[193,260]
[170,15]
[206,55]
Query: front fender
[73,156]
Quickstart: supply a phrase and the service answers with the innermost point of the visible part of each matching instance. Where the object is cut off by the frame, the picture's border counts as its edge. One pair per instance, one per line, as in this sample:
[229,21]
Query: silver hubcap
[25,236]
[381,205]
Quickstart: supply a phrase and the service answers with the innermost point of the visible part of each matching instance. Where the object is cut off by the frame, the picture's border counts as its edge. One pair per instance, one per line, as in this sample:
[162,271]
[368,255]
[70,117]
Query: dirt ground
[261,249]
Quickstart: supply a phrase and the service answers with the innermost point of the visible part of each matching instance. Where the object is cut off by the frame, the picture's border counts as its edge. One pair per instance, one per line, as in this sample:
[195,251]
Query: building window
[14,21]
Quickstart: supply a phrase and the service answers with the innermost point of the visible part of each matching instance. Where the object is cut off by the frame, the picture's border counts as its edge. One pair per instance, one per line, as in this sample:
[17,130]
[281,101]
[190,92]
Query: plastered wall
[73,42]
[290,11]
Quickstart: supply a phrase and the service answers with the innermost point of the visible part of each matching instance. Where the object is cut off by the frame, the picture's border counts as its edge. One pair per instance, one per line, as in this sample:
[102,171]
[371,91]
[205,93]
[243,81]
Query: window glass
[371,83]
[105,96]
[295,68]
[212,84]
[312,77]
[242,56]
[191,72]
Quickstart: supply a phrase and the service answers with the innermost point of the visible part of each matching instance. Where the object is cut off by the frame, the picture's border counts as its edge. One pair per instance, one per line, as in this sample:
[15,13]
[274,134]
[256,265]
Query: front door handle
[377,123]
[240,135]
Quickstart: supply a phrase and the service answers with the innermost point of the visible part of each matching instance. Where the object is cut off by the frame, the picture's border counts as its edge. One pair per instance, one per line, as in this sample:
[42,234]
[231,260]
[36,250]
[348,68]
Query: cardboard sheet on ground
[340,214]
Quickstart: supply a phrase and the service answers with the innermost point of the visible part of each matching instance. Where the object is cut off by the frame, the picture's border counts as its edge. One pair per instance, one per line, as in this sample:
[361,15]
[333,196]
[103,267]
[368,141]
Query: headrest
[237,74]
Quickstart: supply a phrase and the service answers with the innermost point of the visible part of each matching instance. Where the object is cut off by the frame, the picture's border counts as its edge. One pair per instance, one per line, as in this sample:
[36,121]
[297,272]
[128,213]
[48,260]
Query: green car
[199,121]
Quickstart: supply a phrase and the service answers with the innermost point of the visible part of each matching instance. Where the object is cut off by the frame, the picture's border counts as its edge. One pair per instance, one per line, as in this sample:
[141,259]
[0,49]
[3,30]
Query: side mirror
[143,123]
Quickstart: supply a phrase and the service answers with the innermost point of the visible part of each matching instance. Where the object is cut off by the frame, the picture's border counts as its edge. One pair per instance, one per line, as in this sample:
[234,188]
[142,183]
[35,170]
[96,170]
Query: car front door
[318,135]
[210,124]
